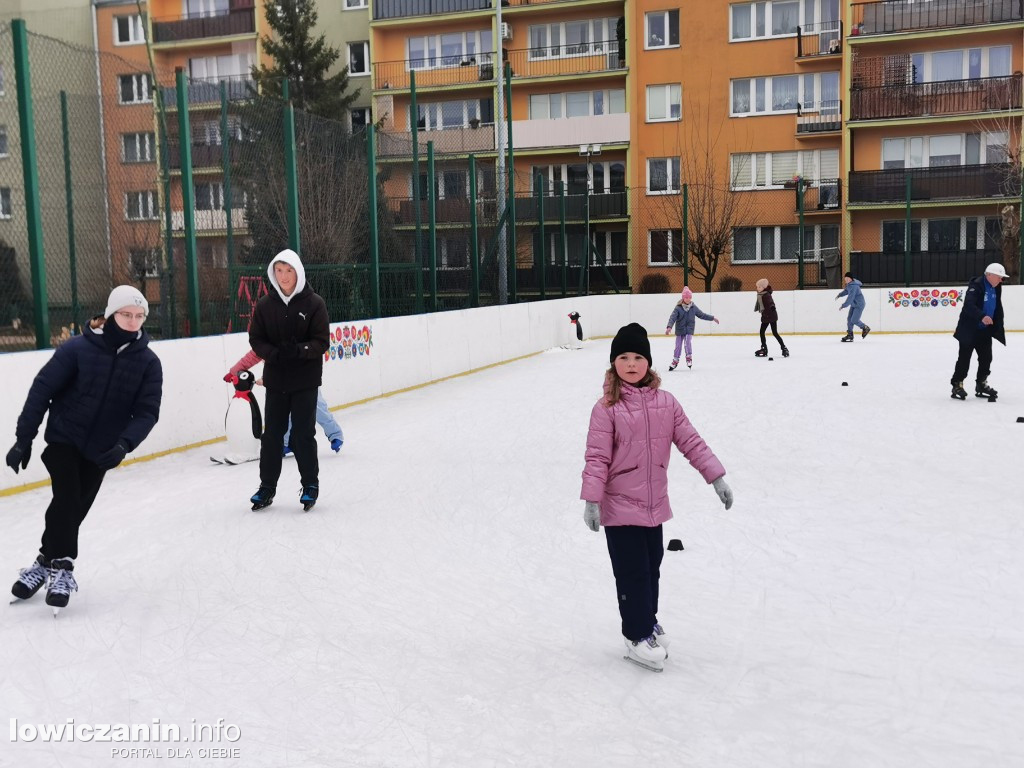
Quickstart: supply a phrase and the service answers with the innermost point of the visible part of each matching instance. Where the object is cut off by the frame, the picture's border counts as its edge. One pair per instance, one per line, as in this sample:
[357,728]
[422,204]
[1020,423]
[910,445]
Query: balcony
[566,60]
[207,91]
[456,210]
[435,72]
[241,21]
[888,17]
[822,39]
[925,267]
[571,131]
[948,97]
[449,141]
[823,118]
[955,182]
[824,197]
[209,221]
[400,9]
[203,155]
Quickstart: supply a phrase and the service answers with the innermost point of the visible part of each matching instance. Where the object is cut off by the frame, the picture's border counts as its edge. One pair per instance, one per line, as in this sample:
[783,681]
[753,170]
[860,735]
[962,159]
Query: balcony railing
[948,97]
[203,155]
[888,16]
[241,21]
[456,210]
[458,141]
[954,182]
[210,221]
[826,195]
[435,71]
[826,117]
[924,268]
[560,60]
[398,9]
[207,91]
[822,39]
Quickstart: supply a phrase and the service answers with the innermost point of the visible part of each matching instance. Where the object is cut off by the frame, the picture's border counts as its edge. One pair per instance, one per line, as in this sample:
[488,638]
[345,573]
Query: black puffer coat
[974,309]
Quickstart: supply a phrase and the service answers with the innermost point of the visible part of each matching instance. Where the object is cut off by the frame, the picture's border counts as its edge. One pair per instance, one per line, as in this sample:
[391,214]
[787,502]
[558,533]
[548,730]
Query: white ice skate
[646,653]
[663,638]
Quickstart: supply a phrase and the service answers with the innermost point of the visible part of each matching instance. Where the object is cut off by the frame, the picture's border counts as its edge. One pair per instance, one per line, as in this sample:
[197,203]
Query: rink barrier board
[410,352]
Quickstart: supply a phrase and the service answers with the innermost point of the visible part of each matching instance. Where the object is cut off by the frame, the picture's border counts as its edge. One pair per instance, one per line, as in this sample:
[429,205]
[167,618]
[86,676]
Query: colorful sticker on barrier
[349,342]
[924,297]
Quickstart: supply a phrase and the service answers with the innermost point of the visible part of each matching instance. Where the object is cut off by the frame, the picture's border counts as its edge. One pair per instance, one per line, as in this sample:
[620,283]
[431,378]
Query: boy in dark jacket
[290,331]
[981,320]
[765,304]
[103,392]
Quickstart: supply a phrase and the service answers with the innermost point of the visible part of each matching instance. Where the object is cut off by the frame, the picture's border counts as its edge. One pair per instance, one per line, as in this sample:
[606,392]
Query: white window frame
[813,79]
[668,91]
[987,139]
[809,171]
[563,169]
[979,242]
[671,236]
[6,207]
[141,87]
[136,30]
[433,111]
[673,185]
[817,12]
[480,40]
[144,149]
[606,96]
[5,148]
[775,233]
[601,34]
[922,72]
[2,80]
[666,15]
[366,58]
[146,206]
[355,5]
[351,115]
[151,257]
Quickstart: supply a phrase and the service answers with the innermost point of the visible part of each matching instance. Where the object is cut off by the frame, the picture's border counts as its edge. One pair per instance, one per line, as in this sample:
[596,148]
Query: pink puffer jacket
[628,449]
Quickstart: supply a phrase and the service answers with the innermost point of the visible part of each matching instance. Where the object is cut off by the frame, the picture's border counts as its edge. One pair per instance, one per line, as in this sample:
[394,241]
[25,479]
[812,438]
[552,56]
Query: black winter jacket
[974,309]
[95,395]
[291,338]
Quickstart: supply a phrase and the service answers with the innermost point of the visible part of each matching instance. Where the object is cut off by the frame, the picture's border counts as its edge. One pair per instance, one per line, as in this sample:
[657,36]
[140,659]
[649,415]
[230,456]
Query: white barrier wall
[405,352]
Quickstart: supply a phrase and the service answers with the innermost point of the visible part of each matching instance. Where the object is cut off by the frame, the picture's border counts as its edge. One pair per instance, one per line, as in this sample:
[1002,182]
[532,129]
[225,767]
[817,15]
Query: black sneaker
[264,497]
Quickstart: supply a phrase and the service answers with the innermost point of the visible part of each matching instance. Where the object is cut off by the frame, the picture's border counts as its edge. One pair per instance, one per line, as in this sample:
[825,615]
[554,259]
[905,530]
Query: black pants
[636,554]
[301,407]
[775,332]
[982,344]
[75,482]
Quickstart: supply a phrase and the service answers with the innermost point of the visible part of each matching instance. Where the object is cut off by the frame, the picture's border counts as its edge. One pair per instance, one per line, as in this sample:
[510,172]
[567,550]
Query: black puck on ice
[771,358]
[845,384]
[1020,419]
[675,545]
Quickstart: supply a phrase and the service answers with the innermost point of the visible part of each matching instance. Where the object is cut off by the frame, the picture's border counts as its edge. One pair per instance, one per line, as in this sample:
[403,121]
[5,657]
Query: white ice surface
[861,606]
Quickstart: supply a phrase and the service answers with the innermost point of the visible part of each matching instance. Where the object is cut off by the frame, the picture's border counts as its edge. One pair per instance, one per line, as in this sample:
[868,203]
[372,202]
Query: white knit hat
[125,296]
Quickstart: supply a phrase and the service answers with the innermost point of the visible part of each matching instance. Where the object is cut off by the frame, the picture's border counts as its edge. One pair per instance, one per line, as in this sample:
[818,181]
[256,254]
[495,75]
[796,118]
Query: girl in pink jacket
[625,483]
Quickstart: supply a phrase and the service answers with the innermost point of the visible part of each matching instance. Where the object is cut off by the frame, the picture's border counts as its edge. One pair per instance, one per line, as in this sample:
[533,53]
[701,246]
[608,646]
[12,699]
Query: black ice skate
[785,352]
[958,393]
[62,583]
[309,496]
[864,331]
[982,389]
[762,352]
[263,498]
[848,336]
[31,579]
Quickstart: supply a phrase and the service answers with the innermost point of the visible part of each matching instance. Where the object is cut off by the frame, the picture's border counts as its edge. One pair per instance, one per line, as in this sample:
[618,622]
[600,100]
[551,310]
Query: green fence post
[371,165]
[291,178]
[474,234]
[686,235]
[541,258]
[906,239]
[69,200]
[563,239]
[800,189]
[511,167]
[414,131]
[225,149]
[432,217]
[188,202]
[30,173]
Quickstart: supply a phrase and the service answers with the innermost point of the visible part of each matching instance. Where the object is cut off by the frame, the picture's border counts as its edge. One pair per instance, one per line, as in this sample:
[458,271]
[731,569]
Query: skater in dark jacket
[765,304]
[103,391]
[855,301]
[981,320]
[290,331]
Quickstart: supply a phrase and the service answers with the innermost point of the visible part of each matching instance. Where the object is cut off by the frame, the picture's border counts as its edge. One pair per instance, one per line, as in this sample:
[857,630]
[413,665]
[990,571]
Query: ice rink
[861,605]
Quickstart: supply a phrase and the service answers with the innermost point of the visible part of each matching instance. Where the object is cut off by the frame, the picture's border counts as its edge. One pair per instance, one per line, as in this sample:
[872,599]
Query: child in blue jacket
[855,301]
[684,318]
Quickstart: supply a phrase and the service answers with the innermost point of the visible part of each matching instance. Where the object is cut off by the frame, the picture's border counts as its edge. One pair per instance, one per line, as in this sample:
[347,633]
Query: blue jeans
[324,418]
[853,318]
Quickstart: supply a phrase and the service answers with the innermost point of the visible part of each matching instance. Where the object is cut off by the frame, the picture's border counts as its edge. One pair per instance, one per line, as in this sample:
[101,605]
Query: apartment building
[932,132]
[346,26]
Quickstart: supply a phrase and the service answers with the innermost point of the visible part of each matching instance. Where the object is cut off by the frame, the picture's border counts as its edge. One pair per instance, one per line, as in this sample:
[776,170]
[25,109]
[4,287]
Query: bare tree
[1010,179]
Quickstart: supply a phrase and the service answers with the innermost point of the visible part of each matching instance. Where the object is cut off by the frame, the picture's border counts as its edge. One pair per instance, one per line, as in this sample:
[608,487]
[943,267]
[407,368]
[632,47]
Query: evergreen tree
[304,61]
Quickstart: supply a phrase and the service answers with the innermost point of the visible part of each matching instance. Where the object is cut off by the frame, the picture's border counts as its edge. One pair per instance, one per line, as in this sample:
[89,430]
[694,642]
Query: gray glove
[724,491]
[592,516]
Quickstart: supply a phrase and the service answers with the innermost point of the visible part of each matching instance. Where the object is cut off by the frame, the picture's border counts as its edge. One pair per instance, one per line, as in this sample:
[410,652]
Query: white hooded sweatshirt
[291,258]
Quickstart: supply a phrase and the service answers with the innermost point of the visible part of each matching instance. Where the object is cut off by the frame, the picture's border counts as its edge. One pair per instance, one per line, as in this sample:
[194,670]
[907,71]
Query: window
[944,150]
[134,89]
[782,243]
[605,177]
[5,202]
[545,106]
[664,246]
[139,206]
[572,38]
[1,79]
[213,255]
[439,115]
[360,118]
[769,18]
[962,64]
[359,58]
[209,196]
[969,233]
[3,141]
[664,102]
[129,30]
[663,29]
[353,4]
[785,93]
[233,65]
[771,170]
[145,262]
[662,175]
[448,50]
[137,147]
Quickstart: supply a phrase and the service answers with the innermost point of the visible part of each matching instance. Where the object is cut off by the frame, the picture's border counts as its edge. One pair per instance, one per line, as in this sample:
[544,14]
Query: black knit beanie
[632,338]
[849,275]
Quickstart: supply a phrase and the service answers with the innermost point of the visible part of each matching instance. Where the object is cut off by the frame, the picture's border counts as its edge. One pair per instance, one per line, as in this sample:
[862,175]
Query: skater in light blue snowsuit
[684,318]
[855,301]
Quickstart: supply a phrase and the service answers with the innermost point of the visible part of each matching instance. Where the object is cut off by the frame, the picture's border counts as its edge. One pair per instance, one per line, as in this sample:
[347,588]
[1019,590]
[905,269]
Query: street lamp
[588,151]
